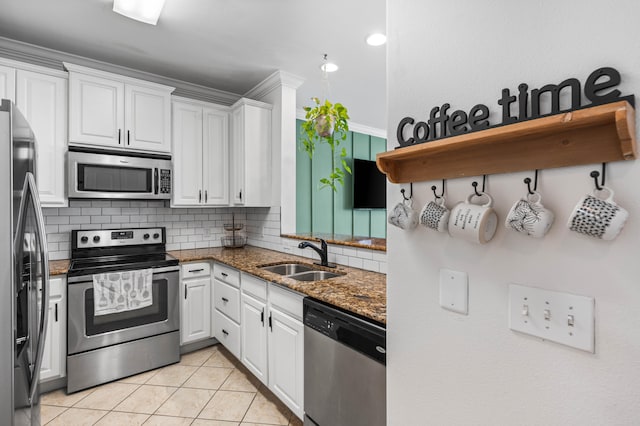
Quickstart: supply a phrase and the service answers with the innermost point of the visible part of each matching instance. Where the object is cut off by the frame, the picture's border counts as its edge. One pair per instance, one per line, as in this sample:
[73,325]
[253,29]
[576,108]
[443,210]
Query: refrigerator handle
[31,190]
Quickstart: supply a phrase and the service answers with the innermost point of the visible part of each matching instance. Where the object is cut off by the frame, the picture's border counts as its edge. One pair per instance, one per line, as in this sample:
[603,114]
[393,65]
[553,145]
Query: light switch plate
[454,291]
[549,315]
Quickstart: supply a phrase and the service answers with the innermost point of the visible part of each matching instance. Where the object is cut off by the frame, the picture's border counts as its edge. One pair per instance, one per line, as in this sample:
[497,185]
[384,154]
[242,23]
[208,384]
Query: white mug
[435,215]
[597,217]
[476,223]
[529,217]
[403,216]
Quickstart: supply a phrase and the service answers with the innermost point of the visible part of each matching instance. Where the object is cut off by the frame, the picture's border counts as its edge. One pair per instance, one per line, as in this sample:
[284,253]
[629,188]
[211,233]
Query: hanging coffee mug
[435,215]
[529,217]
[473,222]
[597,217]
[403,216]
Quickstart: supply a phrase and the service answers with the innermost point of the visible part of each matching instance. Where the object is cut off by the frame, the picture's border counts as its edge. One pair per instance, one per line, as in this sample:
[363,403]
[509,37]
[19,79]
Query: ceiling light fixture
[147,11]
[328,66]
[376,39]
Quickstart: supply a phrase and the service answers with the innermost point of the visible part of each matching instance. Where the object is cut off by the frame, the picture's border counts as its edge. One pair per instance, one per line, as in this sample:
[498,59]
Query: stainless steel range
[123,315]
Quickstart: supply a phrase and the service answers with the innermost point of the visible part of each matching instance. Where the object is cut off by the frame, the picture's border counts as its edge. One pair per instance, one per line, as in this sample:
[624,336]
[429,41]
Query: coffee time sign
[524,104]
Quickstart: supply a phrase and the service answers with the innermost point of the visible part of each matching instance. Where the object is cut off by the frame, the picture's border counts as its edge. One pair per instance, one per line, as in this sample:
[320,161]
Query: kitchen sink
[314,275]
[287,268]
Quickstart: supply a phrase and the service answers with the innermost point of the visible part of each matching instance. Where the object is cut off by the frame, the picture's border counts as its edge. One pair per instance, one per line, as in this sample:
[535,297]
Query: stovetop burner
[109,250]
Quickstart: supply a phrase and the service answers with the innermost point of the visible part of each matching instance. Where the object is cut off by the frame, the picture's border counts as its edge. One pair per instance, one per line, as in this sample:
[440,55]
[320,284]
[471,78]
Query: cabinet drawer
[194,270]
[226,274]
[254,286]
[227,333]
[227,299]
[286,300]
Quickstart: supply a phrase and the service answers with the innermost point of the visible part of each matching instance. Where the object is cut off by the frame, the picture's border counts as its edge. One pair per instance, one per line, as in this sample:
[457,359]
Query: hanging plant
[327,122]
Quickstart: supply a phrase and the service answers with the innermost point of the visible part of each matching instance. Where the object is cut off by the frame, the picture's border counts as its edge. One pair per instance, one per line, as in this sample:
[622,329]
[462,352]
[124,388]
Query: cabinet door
[43,101]
[196,310]
[237,155]
[257,156]
[96,111]
[215,154]
[51,358]
[254,336]
[286,359]
[7,83]
[187,154]
[147,119]
[55,347]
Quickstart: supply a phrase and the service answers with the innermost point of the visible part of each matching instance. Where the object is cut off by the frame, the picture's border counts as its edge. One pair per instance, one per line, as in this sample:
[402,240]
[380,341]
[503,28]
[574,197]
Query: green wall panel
[343,199]
[303,188]
[321,199]
[322,210]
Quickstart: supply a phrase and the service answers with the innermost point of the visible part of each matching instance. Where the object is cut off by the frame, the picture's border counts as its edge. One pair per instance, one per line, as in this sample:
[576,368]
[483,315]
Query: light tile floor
[208,387]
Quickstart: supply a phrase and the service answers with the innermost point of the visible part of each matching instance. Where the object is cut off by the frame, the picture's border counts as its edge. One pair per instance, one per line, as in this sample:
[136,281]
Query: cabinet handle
[241,195]
[205,196]
[225,332]
[119,131]
[262,316]
[270,323]
[200,196]
[56,312]
[196,270]
[128,138]
[185,291]
[225,300]
[224,274]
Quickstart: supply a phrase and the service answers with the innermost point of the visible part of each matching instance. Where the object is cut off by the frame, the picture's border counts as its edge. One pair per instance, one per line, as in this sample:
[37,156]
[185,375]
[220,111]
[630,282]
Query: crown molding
[274,81]
[354,127]
[49,58]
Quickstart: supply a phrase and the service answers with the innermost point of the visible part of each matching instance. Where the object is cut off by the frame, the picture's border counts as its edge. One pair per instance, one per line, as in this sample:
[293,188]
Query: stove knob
[84,239]
[96,238]
[156,235]
[145,236]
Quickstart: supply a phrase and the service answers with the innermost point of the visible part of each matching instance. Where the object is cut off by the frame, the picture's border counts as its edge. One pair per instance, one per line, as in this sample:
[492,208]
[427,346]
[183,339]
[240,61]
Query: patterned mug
[403,216]
[435,215]
[597,217]
[529,217]
[476,223]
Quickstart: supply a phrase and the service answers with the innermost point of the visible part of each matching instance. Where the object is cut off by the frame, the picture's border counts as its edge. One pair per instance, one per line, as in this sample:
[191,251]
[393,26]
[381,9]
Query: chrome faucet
[321,251]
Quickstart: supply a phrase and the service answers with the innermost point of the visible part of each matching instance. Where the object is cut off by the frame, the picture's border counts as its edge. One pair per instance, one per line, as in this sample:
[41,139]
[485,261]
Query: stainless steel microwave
[111,174]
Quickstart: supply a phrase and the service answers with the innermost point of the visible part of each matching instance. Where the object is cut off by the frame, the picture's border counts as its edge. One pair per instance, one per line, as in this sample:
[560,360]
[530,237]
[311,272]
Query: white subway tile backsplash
[190,228]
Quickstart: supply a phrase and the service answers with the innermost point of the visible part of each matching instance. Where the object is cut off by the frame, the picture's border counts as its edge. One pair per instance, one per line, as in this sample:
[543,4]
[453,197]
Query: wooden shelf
[596,134]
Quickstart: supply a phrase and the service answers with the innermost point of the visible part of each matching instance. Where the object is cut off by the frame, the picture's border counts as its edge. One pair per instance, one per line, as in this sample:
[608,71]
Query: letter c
[400,132]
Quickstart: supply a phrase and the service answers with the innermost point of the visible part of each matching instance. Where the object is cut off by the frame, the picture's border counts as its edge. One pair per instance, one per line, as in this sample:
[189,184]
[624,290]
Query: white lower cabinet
[272,339]
[226,308]
[54,358]
[195,315]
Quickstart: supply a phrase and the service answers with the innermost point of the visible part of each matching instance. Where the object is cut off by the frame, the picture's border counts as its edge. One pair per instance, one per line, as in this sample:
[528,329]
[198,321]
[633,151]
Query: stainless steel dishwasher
[344,368]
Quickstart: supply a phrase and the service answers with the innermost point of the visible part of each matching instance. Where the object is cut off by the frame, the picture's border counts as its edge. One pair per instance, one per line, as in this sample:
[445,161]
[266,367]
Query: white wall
[449,369]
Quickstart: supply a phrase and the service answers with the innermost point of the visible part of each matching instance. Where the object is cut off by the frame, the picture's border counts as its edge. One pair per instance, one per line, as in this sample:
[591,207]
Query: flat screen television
[369,185]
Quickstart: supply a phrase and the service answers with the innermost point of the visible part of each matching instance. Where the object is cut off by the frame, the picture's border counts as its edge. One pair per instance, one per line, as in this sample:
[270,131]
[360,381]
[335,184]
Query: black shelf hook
[410,193]
[535,184]
[433,188]
[475,185]
[595,174]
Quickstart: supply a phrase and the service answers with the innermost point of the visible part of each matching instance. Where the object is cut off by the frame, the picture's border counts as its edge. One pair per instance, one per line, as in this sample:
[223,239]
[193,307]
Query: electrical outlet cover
[454,291]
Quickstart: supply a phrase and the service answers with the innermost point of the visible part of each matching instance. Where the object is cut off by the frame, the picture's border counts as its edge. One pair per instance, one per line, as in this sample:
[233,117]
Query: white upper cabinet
[41,96]
[200,154]
[113,111]
[7,83]
[42,99]
[251,153]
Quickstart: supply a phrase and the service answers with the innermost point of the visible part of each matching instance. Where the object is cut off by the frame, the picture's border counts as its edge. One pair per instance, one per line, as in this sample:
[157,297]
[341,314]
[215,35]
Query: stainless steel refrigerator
[24,272]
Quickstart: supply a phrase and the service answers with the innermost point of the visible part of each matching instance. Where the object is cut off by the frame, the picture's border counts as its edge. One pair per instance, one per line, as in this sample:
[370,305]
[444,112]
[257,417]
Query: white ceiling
[230,45]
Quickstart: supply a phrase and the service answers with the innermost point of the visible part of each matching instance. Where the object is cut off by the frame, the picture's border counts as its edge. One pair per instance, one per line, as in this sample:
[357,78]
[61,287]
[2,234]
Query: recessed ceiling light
[376,39]
[147,11]
[329,67]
